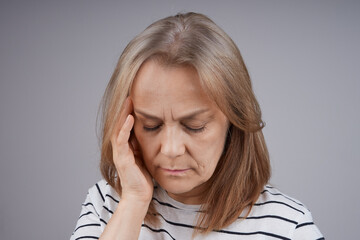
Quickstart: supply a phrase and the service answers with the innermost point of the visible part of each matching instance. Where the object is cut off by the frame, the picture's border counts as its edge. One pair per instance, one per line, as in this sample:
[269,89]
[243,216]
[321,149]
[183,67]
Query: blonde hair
[193,39]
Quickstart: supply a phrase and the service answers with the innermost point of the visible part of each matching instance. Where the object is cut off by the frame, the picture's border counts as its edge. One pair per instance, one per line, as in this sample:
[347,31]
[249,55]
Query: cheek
[207,154]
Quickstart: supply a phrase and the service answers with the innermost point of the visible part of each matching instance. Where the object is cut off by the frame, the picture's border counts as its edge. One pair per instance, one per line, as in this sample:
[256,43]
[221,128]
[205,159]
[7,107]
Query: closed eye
[195,129]
[151,128]
[187,128]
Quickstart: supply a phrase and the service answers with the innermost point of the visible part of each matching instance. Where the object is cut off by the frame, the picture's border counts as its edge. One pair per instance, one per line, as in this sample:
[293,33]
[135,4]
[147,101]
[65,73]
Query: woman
[183,154]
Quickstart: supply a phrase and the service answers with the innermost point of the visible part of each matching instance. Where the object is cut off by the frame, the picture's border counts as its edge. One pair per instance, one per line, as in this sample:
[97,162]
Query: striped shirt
[274,216]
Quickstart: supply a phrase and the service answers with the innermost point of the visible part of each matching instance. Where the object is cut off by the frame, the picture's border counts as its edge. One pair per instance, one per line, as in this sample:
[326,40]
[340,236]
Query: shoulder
[103,198]
[272,199]
[97,209]
[276,205]
[102,190]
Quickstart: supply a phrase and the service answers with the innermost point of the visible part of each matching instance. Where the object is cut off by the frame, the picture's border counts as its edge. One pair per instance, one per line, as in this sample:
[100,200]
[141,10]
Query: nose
[172,144]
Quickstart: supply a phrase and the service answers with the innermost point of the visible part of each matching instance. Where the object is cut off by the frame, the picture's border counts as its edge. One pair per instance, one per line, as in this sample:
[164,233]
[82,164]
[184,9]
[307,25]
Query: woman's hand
[136,182]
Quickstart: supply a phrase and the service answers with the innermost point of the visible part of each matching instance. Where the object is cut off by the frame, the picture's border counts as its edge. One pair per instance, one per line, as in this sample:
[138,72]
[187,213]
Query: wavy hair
[193,39]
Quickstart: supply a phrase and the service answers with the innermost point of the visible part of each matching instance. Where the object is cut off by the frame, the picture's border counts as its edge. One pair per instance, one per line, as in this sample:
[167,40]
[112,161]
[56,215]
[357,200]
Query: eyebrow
[188,116]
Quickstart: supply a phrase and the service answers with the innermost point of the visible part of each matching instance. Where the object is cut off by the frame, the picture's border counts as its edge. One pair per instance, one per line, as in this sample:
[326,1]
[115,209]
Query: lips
[176,171]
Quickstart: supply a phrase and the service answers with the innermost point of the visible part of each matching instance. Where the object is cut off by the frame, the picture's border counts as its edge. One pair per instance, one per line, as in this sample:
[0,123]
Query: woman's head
[192,46]
[180,130]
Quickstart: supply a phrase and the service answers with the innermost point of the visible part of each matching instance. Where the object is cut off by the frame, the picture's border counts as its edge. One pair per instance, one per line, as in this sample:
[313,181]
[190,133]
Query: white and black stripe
[274,216]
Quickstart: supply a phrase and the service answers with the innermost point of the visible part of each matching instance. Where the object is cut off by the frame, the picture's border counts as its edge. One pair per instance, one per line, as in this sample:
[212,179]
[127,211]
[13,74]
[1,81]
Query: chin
[176,187]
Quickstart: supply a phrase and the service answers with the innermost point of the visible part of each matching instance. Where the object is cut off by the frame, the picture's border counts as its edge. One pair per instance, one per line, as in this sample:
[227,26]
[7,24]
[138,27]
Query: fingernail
[127,119]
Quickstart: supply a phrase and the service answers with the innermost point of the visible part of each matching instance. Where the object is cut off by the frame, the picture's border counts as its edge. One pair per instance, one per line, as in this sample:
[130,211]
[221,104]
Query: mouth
[175,172]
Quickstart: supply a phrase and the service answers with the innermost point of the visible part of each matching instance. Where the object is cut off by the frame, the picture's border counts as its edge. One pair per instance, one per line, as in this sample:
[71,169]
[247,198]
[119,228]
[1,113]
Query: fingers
[122,153]
[124,134]
[125,111]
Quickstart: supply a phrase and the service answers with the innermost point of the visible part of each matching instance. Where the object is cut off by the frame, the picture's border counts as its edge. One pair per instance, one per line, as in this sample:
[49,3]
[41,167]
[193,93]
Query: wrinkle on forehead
[172,115]
[168,91]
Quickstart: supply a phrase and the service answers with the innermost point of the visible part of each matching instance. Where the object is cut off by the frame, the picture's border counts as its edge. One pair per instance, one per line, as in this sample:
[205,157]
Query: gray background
[56,58]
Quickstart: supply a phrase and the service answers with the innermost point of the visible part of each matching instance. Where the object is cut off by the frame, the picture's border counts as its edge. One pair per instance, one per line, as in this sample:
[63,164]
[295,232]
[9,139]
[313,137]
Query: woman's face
[181,132]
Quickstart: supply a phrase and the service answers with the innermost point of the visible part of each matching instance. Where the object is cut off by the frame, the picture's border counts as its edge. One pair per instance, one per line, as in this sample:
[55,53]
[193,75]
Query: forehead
[156,83]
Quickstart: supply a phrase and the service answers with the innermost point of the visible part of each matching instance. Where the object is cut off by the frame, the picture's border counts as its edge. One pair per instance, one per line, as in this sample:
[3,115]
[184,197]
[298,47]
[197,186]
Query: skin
[181,132]
[179,138]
